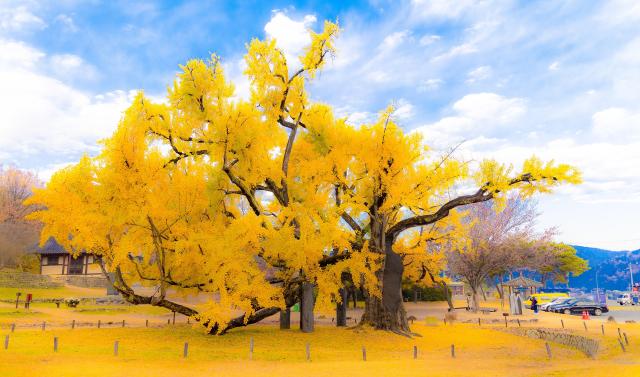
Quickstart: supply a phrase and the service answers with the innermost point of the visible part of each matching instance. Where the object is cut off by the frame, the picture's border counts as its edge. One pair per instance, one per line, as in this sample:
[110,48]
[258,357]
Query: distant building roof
[522,281]
[50,247]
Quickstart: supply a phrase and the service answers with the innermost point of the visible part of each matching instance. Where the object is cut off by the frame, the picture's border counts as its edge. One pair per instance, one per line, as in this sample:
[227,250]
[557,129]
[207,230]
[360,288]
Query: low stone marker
[115,348]
[308,352]
[6,342]
[185,351]
[251,348]
[453,350]
[364,354]
[55,344]
[415,352]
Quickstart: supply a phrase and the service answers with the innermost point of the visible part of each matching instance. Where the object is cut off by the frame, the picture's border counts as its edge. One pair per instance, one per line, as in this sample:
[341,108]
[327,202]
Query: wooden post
[98,323]
[251,348]
[168,321]
[626,340]
[548,349]
[185,351]
[619,333]
[174,317]
[73,324]
[364,353]
[13,327]
[478,321]
[146,323]
[453,350]
[308,352]
[602,327]
[585,325]
[55,344]
[562,323]
[622,345]
[6,342]
[44,325]
[518,319]
[115,348]
[415,352]
[123,323]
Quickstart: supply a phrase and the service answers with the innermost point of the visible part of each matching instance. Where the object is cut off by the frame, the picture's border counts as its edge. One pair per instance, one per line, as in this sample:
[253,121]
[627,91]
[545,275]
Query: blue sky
[509,78]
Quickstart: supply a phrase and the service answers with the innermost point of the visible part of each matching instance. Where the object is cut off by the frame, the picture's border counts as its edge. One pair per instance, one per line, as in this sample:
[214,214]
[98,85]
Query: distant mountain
[612,268]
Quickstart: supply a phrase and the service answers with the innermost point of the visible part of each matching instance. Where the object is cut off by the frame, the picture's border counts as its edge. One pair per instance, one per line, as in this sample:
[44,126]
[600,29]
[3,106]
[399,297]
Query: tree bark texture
[285,319]
[307,302]
[341,309]
[386,312]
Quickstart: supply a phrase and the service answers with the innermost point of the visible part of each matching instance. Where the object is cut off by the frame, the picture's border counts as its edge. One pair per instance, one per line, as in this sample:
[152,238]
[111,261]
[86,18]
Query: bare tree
[494,240]
[17,235]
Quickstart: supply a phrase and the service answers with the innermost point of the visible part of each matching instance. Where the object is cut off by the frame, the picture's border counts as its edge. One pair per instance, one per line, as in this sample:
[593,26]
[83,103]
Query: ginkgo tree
[390,186]
[260,200]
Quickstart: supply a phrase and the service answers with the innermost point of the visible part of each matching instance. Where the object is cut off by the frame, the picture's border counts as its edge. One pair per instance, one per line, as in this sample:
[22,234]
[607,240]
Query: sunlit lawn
[159,352]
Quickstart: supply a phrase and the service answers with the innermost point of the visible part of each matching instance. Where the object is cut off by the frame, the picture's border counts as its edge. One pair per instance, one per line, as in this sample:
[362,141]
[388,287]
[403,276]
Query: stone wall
[82,281]
[585,344]
[26,280]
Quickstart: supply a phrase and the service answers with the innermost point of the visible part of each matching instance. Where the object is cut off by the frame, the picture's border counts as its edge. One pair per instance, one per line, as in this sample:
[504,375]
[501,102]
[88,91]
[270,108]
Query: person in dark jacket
[534,305]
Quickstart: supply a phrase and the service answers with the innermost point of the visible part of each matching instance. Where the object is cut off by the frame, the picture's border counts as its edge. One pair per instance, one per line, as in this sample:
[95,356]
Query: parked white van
[625,299]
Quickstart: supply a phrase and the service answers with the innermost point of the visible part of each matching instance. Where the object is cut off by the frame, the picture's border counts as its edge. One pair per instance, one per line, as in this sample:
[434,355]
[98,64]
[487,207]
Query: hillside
[612,268]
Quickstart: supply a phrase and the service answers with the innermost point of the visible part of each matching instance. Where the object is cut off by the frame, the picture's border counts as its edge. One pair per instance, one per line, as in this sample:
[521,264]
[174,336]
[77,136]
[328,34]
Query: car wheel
[567,311]
[597,312]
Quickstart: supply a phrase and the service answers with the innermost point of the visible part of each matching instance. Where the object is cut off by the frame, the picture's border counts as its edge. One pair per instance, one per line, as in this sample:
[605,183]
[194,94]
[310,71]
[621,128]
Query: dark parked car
[578,306]
[548,307]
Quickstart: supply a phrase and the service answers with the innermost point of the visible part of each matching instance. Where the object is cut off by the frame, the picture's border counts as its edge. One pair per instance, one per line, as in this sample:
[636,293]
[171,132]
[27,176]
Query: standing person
[534,305]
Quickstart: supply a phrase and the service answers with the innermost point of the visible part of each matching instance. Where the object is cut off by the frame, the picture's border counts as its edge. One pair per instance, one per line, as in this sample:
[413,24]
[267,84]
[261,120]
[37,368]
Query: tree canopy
[246,199]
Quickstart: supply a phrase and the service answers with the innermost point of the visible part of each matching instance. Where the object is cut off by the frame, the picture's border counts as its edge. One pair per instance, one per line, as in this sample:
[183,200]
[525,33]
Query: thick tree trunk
[386,312]
[285,319]
[475,304]
[341,309]
[447,295]
[306,307]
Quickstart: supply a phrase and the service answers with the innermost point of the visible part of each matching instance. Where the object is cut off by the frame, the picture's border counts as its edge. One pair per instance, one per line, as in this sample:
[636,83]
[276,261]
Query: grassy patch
[44,293]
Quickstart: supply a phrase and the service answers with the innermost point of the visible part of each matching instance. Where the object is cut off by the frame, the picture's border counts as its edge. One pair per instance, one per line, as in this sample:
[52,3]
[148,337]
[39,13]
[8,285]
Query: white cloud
[43,116]
[554,66]
[441,8]
[478,74]
[14,54]
[67,22]
[393,40]
[475,115]
[403,110]
[290,35]
[459,50]
[19,19]
[429,39]
[490,107]
[68,66]
[430,84]
[617,124]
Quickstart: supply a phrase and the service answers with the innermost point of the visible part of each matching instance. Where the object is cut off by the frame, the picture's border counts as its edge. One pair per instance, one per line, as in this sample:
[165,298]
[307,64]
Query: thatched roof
[522,281]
